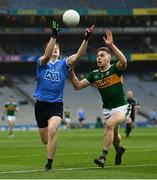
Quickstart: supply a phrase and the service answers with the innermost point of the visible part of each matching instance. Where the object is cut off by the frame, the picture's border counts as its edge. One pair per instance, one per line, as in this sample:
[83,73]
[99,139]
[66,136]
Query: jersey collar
[54,61]
[105,69]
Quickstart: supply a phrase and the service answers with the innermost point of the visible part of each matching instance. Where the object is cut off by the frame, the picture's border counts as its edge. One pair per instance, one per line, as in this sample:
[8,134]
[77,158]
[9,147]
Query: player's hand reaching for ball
[108,38]
[55,29]
[88,32]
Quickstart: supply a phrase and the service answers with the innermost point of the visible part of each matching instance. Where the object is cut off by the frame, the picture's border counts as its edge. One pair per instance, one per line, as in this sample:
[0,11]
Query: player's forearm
[49,48]
[119,55]
[81,52]
[82,49]
[76,57]
[74,80]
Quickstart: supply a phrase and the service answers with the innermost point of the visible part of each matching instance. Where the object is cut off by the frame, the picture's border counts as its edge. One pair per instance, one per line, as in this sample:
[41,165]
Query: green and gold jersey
[110,86]
[67,114]
[10,108]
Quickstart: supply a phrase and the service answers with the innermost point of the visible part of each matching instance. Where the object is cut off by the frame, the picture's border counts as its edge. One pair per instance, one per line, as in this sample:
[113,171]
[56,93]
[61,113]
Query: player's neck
[53,59]
[104,68]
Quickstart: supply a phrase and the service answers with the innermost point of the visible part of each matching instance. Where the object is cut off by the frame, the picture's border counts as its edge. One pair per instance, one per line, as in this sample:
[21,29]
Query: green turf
[20,156]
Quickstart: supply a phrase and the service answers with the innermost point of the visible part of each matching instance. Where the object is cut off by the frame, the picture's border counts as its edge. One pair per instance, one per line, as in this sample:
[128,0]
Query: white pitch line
[21,171]
[75,153]
[107,167]
[80,168]
[33,155]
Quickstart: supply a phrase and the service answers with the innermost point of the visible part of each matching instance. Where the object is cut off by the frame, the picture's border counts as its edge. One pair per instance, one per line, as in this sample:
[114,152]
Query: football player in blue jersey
[51,74]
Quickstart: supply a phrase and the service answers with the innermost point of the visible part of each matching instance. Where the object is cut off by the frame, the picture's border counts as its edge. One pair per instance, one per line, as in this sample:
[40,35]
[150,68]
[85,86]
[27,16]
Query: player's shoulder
[113,66]
[95,70]
[6,103]
[63,60]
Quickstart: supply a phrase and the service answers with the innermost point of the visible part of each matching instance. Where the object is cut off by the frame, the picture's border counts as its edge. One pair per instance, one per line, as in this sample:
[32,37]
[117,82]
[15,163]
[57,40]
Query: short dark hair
[45,46]
[104,49]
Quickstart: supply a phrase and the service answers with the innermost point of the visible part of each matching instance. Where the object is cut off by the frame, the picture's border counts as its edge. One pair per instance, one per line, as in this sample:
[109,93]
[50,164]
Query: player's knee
[109,125]
[51,132]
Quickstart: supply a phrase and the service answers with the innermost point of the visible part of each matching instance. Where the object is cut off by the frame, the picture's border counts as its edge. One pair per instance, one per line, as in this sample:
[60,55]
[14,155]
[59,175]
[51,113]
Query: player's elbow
[76,87]
[47,57]
[122,65]
[44,59]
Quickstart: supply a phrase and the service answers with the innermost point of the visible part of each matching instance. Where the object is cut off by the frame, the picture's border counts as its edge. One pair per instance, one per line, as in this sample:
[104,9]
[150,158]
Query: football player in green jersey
[9,109]
[109,81]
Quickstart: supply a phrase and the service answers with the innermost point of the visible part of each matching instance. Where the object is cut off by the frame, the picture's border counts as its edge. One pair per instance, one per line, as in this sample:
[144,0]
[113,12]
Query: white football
[71,18]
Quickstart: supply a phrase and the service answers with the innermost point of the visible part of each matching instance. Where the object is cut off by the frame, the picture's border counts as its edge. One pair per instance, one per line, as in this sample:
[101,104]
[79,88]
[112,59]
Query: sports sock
[49,161]
[104,153]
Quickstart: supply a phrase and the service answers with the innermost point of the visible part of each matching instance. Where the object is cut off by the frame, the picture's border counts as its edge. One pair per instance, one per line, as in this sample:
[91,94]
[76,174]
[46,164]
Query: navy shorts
[45,110]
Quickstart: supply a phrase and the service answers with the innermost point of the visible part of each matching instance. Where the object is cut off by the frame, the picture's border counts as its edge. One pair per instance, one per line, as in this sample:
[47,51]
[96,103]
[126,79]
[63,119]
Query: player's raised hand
[88,32]
[55,29]
[108,38]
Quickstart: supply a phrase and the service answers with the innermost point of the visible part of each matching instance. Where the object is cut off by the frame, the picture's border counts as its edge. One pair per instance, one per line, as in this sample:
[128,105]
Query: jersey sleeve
[66,60]
[118,71]
[65,66]
[15,104]
[39,62]
[90,77]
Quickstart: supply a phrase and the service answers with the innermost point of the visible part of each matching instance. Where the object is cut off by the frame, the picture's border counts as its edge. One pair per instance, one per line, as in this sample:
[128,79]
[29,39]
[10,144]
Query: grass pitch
[24,156]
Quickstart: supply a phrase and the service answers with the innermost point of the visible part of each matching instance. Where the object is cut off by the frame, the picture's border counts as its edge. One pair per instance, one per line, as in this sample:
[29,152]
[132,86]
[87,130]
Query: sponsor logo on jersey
[52,76]
[108,81]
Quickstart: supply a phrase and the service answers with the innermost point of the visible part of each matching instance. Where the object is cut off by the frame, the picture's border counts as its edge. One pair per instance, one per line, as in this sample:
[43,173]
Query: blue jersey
[81,113]
[51,80]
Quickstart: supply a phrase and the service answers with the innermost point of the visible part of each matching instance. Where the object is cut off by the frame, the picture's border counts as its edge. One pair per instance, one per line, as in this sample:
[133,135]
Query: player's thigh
[116,118]
[10,123]
[11,120]
[54,123]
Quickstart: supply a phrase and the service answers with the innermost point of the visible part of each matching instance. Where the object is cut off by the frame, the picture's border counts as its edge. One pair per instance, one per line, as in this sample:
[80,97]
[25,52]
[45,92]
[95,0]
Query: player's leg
[43,135]
[117,145]
[81,123]
[10,126]
[116,139]
[111,123]
[128,126]
[42,122]
[53,126]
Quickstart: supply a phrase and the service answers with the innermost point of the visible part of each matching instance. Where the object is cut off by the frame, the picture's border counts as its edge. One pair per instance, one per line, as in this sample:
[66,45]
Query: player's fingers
[104,38]
[108,32]
[90,29]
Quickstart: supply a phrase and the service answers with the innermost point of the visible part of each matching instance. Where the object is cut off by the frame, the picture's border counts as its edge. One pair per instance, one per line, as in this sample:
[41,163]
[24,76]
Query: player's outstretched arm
[122,63]
[50,46]
[72,60]
[77,84]
[17,109]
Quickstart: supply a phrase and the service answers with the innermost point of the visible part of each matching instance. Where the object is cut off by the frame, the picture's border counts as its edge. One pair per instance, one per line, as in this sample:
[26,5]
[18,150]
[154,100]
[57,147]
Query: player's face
[11,99]
[130,94]
[103,59]
[56,51]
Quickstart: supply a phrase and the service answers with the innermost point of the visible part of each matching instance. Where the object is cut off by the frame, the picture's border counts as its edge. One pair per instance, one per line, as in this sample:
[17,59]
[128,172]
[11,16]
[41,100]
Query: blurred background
[25,26]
